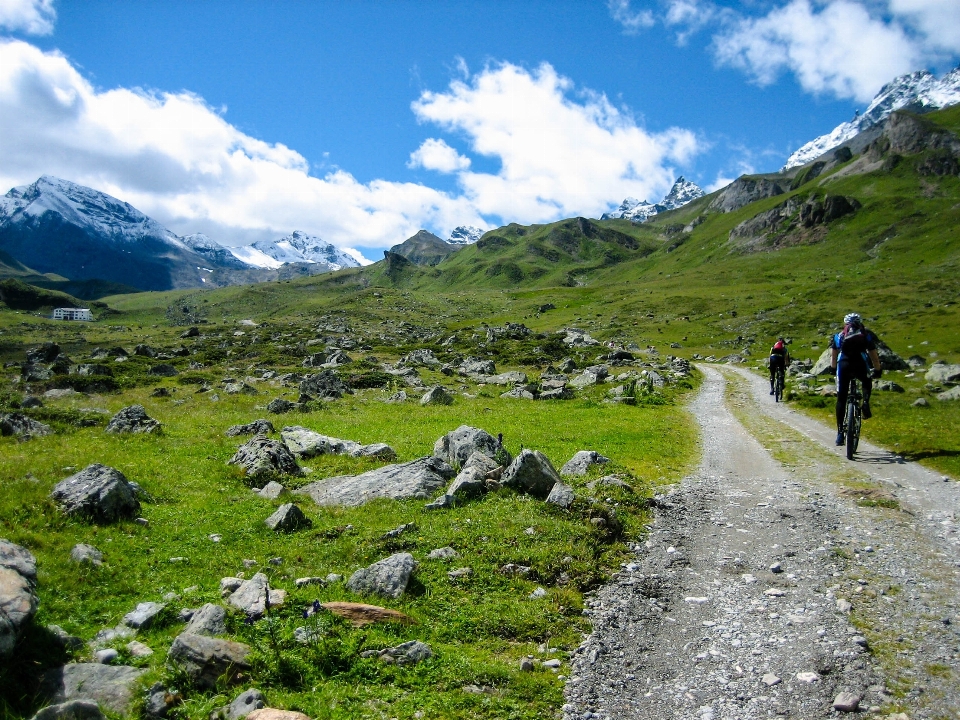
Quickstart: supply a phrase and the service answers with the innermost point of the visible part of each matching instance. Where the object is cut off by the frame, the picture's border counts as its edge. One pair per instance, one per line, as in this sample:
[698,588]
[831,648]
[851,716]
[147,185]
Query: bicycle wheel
[853,428]
[778,387]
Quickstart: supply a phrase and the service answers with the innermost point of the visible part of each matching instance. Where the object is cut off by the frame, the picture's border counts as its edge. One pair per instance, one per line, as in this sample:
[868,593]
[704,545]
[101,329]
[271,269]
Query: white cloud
[559,155]
[180,161]
[33,17]
[840,49]
[435,154]
[938,21]
[632,20]
[689,16]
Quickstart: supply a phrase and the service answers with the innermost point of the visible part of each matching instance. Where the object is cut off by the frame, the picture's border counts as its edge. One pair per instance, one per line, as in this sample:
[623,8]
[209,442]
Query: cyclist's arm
[833,358]
[874,358]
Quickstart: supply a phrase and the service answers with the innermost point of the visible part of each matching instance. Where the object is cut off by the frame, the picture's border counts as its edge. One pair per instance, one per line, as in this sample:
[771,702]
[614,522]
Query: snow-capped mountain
[298,247]
[919,92]
[214,251]
[682,192]
[465,235]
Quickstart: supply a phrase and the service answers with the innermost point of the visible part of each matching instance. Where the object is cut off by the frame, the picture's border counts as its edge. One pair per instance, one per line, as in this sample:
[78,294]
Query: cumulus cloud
[632,20]
[844,48]
[561,151]
[33,17]
[435,154]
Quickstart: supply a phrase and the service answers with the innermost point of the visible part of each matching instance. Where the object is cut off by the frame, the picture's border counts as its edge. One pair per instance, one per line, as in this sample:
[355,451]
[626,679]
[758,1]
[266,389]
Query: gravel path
[766,590]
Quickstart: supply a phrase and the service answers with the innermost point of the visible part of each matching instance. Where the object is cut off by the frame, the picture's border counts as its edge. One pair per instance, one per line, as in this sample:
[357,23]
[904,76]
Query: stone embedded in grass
[610,481]
[257,427]
[262,458]
[97,492]
[951,394]
[444,553]
[163,370]
[143,616]
[206,660]
[531,473]
[251,596]
[582,461]
[469,483]
[244,704]
[18,600]
[83,553]
[22,426]
[278,406]
[229,585]
[381,451]
[271,491]
[72,710]
[408,653]
[414,479]
[239,388]
[325,385]
[388,577]
[458,445]
[288,518]
[208,620]
[133,419]
[111,686]
[561,495]
[437,395]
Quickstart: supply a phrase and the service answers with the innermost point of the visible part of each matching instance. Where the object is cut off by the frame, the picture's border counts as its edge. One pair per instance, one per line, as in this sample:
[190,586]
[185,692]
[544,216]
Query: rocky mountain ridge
[918,92]
[682,192]
[465,235]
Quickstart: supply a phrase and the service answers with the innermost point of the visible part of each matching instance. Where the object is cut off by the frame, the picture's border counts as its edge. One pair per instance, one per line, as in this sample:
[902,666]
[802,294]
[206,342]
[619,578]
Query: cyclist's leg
[773,372]
[867,389]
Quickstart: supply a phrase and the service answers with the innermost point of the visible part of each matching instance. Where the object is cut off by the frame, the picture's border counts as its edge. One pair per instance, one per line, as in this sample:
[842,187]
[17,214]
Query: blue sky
[363,121]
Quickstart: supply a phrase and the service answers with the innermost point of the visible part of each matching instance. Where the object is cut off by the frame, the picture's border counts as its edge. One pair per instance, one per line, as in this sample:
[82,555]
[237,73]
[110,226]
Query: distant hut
[72,314]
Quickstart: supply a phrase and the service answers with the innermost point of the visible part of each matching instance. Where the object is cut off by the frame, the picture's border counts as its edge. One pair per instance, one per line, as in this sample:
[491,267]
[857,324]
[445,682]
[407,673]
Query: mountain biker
[854,352]
[779,359]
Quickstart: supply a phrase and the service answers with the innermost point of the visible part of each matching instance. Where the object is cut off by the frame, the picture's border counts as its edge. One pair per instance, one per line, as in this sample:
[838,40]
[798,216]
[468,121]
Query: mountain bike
[853,417]
[778,383]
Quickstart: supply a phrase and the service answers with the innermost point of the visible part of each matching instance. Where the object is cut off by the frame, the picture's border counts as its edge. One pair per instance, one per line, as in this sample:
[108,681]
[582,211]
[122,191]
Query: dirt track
[766,590]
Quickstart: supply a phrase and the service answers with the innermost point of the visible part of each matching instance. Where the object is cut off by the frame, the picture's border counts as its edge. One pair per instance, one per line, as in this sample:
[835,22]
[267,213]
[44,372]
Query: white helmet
[852,319]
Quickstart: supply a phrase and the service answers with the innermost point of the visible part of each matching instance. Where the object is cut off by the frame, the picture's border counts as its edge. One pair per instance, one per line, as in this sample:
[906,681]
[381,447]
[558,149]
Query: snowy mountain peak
[298,247]
[919,91]
[682,192]
[465,235]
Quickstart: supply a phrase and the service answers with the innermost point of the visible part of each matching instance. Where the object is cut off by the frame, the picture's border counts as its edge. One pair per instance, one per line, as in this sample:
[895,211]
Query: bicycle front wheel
[853,429]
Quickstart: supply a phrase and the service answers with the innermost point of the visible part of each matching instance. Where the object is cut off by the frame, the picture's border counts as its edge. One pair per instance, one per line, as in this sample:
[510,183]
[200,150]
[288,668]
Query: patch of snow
[465,235]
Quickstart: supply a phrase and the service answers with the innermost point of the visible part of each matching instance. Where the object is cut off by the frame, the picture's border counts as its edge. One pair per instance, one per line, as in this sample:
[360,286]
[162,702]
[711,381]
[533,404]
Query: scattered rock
[72,710]
[415,479]
[208,620]
[262,458]
[106,656]
[920,402]
[133,419]
[846,702]
[408,653]
[138,649]
[325,385]
[770,680]
[19,425]
[163,370]
[143,616]
[951,394]
[360,614]
[288,518]
[257,427]
[532,473]
[83,553]
[561,495]
[244,704]
[943,374]
[251,596]
[271,491]
[444,553]
[469,483]
[581,463]
[111,686]
[437,395]
[207,659]
[458,445]
[99,493]
[18,601]
[278,406]
[388,577]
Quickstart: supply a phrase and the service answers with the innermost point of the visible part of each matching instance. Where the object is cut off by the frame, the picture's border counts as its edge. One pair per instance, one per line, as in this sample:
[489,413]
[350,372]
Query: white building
[72,314]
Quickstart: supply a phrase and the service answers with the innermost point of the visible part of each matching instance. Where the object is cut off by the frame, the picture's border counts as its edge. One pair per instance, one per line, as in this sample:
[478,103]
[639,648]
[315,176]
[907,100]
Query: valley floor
[779,577]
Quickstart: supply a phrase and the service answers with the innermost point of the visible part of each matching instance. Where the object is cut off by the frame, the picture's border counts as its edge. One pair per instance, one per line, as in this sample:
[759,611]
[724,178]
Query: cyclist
[854,352]
[779,360]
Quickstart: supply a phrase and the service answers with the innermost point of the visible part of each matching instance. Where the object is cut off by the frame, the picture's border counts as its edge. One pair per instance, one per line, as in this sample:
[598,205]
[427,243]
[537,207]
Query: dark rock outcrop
[99,493]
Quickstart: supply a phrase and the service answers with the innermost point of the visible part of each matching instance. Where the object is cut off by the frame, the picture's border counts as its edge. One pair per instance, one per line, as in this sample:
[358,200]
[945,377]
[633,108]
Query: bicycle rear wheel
[778,388]
[853,429]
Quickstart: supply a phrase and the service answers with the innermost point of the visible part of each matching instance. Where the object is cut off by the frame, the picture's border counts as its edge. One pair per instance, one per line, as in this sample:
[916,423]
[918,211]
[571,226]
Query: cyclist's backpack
[853,340]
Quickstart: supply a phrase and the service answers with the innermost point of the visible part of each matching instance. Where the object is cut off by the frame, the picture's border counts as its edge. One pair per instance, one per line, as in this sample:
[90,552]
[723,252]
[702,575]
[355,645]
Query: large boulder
[208,620]
[98,493]
[822,365]
[72,710]
[561,495]
[458,445]
[512,377]
[415,479]
[18,601]
[46,353]
[437,395]
[889,360]
[143,616]
[20,425]
[133,419]
[531,473]
[244,704]
[305,443]
[261,458]
[206,659]
[325,385]
[943,374]
[388,577]
[581,463]
[111,686]
[253,594]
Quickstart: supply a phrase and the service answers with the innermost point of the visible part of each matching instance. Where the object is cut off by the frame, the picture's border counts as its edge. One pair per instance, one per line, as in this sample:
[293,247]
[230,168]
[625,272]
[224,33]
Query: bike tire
[778,388]
[853,430]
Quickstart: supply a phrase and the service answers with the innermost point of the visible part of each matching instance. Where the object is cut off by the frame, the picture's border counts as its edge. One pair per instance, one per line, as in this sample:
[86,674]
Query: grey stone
[45,353]
[288,518]
[64,639]
[611,481]
[557,394]
[158,701]
[887,386]
[305,581]
[920,402]
[513,377]
[381,451]
[83,553]
[561,495]
[111,686]
[208,620]
[460,573]
[397,397]
[19,425]
[239,388]
[325,385]
[18,601]
[143,616]
[97,492]
[31,401]
[163,370]
[822,365]
[106,656]
[469,483]
[532,473]
[278,406]
[207,659]
[423,357]
[257,427]
[478,367]
[437,395]
[272,490]
[444,553]
[916,362]
[518,393]
[846,702]
[482,462]
[444,502]
[581,463]
[138,649]
[388,577]
[409,653]
[245,703]
[304,443]
[262,459]
[72,710]
[942,374]
[951,394]
[414,479]
[398,531]
[18,559]
[132,419]
[458,445]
